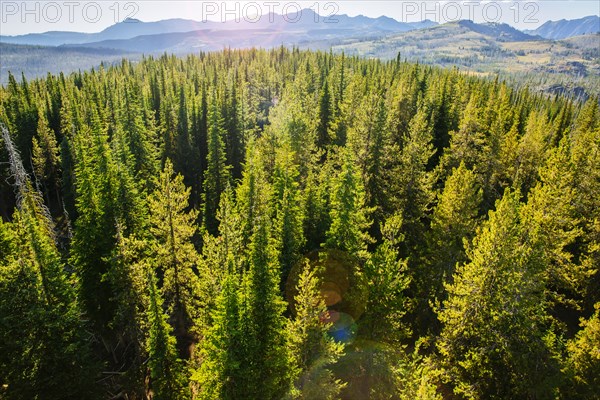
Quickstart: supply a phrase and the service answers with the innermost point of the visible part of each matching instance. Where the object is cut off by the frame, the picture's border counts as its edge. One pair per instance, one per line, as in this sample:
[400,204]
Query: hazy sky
[19,17]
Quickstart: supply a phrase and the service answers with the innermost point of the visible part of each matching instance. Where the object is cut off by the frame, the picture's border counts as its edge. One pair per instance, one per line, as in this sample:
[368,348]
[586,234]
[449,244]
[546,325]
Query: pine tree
[583,362]
[43,338]
[312,349]
[46,158]
[253,194]
[348,220]
[265,358]
[531,150]
[387,280]
[234,142]
[140,134]
[494,314]
[183,157]
[409,181]
[128,277]
[551,208]
[222,367]
[174,255]
[453,223]
[217,252]
[470,145]
[167,376]
[216,175]
[585,156]
[315,198]
[323,135]
[106,197]
[288,214]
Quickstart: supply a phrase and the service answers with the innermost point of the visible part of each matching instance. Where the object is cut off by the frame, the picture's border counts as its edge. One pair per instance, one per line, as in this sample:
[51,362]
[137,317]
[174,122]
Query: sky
[20,17]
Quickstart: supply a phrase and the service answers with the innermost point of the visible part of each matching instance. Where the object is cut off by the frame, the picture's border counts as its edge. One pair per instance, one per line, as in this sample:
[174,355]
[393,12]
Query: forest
[286,224]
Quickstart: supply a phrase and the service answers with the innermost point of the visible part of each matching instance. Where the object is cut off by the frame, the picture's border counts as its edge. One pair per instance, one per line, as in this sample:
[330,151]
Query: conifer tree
[551,209]
[174,255]
[46,158]
[198,139]
[315,198]
[494,314]
[128,277]
[409,180]
[312,349]
[265,370]
[140,134]
[216,175]
[387,280]
[585,156]
[234,140]
[288,214]
[531,150]
[220,374]
[325,111]
[583,362]
[106,196]
[43,337]
[183,157]
[253,194]
[168,380]
[454,221]
[348,220]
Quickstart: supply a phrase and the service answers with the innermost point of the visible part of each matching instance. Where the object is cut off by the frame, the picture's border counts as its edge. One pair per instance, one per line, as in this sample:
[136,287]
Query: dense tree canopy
[283,224]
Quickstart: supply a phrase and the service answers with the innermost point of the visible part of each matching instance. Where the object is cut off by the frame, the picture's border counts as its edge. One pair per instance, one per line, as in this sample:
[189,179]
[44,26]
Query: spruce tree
[494,314]
[46,159]
[387,281]
[288,214]
[43,338]
[167,376]
[174,255]
[583,363]
[265,360]
[220,374]
[216,174]
[325,111]
[454,220]
[313,351]
[348,217]
[409,181]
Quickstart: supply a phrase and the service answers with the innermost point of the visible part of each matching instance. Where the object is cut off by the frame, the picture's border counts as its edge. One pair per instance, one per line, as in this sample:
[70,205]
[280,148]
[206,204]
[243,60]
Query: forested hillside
[296,225]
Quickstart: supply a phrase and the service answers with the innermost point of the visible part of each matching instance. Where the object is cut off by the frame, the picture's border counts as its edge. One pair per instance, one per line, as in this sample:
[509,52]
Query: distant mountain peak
[563,28]
[498,30]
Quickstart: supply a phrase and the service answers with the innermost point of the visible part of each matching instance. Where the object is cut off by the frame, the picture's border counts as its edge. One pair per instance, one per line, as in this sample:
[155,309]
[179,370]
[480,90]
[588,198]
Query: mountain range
[564,29]
[294,24]
[555,47]
[186,35]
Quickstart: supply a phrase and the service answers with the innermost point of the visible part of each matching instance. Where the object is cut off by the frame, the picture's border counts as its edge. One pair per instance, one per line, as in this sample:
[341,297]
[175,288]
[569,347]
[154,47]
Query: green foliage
[222,367]
[453,223]
[494,314]
[266,369]
[410,189]
[387,281]
[583,363]
[288,213]
[173,253]
[348,216]
[382,174]
[167,374]
[416,377]
[216,175]
[43,339]
[312,349]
